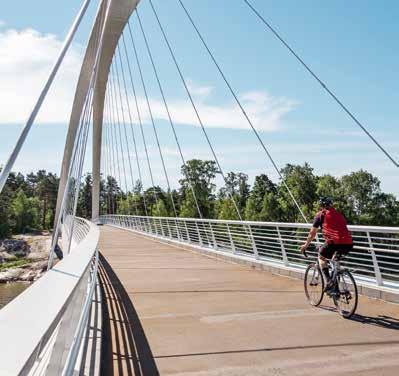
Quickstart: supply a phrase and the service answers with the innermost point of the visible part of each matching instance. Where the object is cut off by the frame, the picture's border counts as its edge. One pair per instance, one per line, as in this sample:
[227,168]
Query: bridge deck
[172,311]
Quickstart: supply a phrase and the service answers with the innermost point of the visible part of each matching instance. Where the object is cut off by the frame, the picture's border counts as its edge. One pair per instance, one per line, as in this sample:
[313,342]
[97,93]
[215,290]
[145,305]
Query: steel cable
[194,107]
[323,85]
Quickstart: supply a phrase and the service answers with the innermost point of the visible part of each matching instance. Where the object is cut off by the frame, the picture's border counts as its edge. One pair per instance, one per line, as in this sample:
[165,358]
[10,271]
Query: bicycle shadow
[382,321]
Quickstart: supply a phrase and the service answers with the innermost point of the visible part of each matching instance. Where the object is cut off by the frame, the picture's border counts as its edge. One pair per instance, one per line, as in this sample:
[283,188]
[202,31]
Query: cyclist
[336,235]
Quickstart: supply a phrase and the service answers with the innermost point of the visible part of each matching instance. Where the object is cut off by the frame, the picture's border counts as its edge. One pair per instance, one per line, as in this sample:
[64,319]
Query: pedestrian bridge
[147,295]
[175,311]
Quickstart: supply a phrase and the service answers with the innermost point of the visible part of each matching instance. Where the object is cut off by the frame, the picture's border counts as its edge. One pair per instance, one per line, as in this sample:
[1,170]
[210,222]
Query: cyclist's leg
[325,252]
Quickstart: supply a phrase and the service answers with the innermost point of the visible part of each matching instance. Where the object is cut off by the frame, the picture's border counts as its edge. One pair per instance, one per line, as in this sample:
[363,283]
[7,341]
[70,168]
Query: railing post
[377,271]
[253,242]
[199,234]
[160,224]
[215,244]
[188,232]
[233,247]
[168,227]
[178,233]
[283,251]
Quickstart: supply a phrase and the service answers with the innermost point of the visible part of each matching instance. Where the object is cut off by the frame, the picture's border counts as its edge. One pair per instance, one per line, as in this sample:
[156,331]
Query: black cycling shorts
[328,250]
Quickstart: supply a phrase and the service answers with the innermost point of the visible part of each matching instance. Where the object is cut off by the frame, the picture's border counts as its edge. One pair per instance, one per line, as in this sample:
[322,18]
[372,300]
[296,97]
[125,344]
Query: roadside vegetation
[27,203]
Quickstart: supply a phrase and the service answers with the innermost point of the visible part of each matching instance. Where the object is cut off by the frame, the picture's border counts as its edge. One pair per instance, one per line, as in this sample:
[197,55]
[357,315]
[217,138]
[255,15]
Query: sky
[351,45]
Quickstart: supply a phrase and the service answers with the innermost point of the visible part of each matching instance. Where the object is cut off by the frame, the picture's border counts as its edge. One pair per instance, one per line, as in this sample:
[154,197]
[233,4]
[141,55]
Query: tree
[302,184]
[113,193]
[359,190]
[188,207]
[227,210]
[85,197]
[5,212]
[44,186]
[25,212]
[236,186]
[382,211]
[152,196]
[271,209]
[199,175]
[160,209]
[329,186]
[254,203]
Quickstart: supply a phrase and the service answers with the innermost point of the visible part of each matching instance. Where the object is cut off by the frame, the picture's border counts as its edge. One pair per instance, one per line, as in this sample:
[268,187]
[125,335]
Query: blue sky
[351,45]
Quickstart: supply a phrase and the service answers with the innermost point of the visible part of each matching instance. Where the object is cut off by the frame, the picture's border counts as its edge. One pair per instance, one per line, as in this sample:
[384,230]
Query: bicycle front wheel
[346,298]
[314,285]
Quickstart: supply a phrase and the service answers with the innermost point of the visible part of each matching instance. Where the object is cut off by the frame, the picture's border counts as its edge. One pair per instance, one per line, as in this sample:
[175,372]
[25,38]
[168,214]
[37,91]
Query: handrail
[35,320]
[379,229]
[372,260]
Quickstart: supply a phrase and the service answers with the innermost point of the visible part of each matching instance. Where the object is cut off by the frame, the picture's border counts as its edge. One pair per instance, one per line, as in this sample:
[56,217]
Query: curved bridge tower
[110,21]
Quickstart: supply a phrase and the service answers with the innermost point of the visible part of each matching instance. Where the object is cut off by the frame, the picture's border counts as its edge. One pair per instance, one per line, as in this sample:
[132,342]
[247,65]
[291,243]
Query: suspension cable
[168,113]
[104,158]
[113,134]
[111,168]
[323,85]
[115,98]
[152,121]
[130,114]
[27,127]
[123,120]
[242,109]
[142,130]
[194,107]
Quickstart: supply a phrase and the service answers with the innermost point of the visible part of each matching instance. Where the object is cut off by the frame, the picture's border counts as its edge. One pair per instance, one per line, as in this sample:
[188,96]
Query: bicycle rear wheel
[314,284]
[346,298]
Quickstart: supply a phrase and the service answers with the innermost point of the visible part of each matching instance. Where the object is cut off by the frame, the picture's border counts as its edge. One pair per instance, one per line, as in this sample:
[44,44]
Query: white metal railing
[43,329]
[374,259]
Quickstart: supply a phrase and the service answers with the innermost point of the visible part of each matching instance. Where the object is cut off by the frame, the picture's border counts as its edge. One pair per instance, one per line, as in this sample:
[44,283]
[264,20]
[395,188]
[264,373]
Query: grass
[15,263]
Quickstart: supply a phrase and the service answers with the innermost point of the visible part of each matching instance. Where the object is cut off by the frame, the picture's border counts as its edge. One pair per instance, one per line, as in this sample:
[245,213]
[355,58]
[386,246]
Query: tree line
[358,195]
[28,202]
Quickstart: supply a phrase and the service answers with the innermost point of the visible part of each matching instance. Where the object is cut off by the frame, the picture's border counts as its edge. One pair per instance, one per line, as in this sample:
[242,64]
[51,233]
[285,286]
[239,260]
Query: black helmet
[325,202]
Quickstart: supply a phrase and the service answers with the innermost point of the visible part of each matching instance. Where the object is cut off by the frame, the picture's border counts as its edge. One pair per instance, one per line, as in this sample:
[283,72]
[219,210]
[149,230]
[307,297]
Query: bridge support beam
[117,17]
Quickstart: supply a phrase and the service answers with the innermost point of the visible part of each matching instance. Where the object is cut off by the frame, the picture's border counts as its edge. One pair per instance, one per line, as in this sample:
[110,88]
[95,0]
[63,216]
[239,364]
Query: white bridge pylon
[111,18]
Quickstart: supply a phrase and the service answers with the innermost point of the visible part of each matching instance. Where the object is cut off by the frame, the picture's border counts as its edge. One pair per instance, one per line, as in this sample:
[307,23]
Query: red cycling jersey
[333,224]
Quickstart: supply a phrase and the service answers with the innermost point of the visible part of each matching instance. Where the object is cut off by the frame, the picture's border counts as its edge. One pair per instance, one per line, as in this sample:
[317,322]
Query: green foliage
[198,176]
[29,202]
[160,209]
[254,205]
[271,208]
[15,263]
[25,212]
[85,197]
[302,183]
[227,209]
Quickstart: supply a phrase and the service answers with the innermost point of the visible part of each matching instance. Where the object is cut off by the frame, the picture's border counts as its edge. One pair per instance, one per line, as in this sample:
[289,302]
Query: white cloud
[199,91]
[265,111]
[26,58]
[2,23]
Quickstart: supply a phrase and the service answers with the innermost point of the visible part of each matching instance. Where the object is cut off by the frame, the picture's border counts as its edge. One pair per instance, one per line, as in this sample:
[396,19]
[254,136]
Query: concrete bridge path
[170,311]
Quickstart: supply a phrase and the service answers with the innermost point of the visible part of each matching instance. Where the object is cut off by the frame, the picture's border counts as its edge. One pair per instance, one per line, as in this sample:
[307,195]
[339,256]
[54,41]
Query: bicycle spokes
[345,298]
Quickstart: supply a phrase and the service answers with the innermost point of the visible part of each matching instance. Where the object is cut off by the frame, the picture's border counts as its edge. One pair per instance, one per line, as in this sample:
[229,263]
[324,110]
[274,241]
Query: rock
[29,276]
[11,275]
[15,247]
[36,250]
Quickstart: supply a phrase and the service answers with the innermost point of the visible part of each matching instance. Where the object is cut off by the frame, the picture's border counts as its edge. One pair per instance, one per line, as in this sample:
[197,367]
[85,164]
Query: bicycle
[343,292]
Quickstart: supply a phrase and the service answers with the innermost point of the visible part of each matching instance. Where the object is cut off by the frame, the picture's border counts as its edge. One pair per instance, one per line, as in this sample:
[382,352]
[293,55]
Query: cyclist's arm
[317,223]
[311,236]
